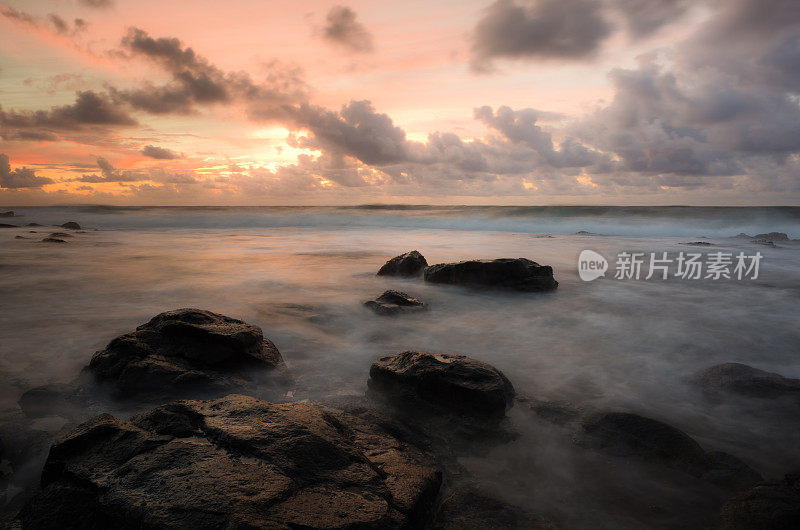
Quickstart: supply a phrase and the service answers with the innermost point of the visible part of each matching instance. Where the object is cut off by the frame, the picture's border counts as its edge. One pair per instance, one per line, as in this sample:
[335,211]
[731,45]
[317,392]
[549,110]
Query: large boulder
[393,302]
[451,382]
[71,225]
[408,264]
[626,434]
[774,505]
[236,462]
[519,274]
[185,348]
[772,236]
[745,380]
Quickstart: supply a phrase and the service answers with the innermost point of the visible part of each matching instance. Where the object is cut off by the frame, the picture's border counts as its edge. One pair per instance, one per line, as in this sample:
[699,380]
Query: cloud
[197,82]
[19,16]
[99,4]
[20,177]
[159,153]
[110,174]
[63,27]
[342,28]
[540,29]
[644,17]
[89,109]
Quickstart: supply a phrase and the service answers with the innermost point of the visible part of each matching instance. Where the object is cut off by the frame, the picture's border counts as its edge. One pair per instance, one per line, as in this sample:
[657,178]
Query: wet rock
[33,224]
[519,274]
[765,242]
[454,383]
[236,462]
[626,434]
[699,244]
[20,237]
[52,240]
[408,264]
[393,302]
[745,380]
[556,412]
[772,236]
[770,505]
[469,508]
[182,349]
[60,234]
[3,225]
[56,399]
[71,225]
[9,213]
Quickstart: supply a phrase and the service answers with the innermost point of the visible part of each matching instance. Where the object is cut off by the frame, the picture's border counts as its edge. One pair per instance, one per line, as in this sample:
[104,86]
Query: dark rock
[745,380]
[20,237]
[520,274]
[71,225]
[33,224]
[742,235]
[185,348]
[55,399]
[9,213]
[699,244]
[450,382]
[469,508]
[770,505]
[556,412]
[236,462]
[393,302]
[3,225]
[408,264]
[52,240]
[772,236]
[61,234]
[765,242]
[626,434]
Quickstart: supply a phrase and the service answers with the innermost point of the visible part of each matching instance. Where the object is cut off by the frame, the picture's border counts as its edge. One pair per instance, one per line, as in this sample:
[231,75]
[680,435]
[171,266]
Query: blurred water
[301,274]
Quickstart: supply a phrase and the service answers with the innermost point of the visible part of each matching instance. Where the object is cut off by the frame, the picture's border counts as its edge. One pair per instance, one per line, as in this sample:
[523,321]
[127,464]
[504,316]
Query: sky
[306,102]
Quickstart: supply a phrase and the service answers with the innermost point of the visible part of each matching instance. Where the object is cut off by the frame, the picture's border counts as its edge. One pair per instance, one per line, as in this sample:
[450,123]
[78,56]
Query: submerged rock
[699,244]
[408,264]
[770,505]
[33,224]
[9,213]
[3,225]
[626,434]
[52,240]
[745,380]
[393,302]
[772,236]
[71,225]
[60,234]
[185,348]
[20,237]
[454,383]
[520,274]
[469,508]
[236,462]
[765,242]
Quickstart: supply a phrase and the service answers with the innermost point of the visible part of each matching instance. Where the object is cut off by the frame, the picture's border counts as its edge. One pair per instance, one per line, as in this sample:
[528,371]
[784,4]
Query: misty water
[302,274]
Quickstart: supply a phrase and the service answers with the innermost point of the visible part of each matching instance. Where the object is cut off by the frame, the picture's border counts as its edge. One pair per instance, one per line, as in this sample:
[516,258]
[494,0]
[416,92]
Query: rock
[772,236]
[742,235]
[52,240]
[236,462]
[9,213]
[699,244]
[520,274]
[626,434]
[33,224]
[20,237]
[3,225]
[408,264]
[454,383]
[745,380]
[556,412]
[182,349]
[71,225]
[469,508]
[393,302]
[770,505]
[55,399]
[61,234]
[765,242]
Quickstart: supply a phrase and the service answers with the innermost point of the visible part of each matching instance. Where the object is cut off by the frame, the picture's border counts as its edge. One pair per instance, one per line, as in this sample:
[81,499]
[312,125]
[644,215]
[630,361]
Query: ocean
[303,273]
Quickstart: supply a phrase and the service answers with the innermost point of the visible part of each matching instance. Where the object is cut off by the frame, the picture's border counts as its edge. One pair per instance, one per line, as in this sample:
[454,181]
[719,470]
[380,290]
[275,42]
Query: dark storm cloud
[197,82]
[159,153]
[544,29]
[89,109]
[20,177]
[342,28]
